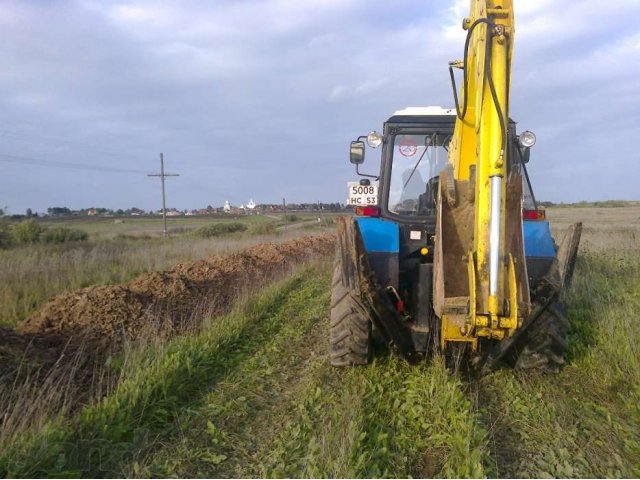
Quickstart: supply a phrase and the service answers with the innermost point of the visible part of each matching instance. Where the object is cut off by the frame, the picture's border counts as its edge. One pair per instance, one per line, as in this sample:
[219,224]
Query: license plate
[362,195]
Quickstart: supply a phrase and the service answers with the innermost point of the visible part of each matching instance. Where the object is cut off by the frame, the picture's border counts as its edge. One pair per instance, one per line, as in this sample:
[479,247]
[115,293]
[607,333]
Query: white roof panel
[426,111]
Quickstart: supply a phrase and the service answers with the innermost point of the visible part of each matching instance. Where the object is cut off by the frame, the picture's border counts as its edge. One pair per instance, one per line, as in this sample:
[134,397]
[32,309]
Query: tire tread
[350,327]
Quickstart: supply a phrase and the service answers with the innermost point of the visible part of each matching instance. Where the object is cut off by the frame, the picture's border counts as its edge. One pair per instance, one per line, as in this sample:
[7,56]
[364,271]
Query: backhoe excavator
[448,251]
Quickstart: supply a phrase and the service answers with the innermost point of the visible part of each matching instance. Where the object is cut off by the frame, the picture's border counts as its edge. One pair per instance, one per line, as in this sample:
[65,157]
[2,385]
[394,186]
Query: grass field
[109,227]
[144,226]
[252,394]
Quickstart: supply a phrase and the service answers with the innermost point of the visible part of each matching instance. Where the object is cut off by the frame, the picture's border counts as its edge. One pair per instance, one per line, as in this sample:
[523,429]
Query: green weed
[218,229]
[26,232]
[62,235]
[389,419]
[265,228]
[233,426]
[29,232]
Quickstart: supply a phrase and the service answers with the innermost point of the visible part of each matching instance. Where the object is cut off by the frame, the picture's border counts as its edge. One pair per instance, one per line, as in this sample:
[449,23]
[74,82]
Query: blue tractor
[403,266]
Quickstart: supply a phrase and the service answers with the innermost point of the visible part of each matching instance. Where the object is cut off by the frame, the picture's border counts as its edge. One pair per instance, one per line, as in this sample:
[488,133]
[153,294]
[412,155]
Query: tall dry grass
[30,275]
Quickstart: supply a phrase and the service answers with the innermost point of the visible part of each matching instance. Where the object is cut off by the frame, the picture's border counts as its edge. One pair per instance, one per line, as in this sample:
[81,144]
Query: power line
[4,157]
[52,140]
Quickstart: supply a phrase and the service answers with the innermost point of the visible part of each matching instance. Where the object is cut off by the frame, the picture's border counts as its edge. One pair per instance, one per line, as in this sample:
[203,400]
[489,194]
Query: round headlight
[374,139]
[527,139]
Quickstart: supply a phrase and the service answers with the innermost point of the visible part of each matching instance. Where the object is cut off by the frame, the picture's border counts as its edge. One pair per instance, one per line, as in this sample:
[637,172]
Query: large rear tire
[350,328]
[545,345]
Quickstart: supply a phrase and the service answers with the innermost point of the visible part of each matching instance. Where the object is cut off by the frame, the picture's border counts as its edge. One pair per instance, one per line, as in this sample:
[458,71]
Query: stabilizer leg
[541,341]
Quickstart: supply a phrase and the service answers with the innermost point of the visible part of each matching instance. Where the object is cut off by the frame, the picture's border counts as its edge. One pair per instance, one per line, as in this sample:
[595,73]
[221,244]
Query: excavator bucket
[460,283]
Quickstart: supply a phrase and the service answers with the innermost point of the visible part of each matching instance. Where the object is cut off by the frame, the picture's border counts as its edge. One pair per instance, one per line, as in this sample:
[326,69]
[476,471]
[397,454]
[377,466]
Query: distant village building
[251,205]
[227,207]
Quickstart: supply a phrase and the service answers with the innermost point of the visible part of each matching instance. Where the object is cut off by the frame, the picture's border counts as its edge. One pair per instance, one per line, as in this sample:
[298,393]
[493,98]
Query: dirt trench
[158,304]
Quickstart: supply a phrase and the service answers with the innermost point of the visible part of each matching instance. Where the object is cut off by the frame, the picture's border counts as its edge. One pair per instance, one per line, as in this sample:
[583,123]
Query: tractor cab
[414,157]
[415,143]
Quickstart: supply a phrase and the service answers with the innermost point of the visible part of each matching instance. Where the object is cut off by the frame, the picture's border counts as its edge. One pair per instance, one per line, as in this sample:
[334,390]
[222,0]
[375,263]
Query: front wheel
[350,327]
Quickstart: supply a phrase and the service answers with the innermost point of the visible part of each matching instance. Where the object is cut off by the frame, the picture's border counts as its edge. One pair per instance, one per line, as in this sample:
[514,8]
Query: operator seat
[428,200]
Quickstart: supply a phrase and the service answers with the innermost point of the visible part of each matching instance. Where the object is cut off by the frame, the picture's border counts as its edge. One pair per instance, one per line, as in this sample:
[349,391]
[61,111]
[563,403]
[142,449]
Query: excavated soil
[111,312]
[158,304]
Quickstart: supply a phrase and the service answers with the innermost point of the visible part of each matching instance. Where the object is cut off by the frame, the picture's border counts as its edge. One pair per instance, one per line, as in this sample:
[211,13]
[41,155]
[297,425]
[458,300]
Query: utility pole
[162,176]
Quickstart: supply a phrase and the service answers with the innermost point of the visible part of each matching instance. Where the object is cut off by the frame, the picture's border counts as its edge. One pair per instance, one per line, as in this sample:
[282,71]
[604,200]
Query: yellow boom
[481,288]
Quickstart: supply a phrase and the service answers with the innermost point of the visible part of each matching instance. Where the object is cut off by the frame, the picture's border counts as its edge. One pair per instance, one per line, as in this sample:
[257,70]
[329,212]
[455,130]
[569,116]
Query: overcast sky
[259,98]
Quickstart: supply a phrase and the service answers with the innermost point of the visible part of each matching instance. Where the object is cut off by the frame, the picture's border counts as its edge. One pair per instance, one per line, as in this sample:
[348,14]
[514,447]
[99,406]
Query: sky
[258,99]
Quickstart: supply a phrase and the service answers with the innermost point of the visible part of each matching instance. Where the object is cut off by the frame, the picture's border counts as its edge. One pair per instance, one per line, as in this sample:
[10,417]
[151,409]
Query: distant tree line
[209,210]
[602,203]
[304,207]
[59,211]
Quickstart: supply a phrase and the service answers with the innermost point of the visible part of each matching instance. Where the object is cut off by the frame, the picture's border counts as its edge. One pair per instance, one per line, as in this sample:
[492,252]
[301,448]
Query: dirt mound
[168,301]
[105,307]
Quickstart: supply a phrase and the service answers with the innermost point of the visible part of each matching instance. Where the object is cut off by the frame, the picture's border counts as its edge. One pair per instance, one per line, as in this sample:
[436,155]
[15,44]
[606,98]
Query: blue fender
[538,241]
[379,235]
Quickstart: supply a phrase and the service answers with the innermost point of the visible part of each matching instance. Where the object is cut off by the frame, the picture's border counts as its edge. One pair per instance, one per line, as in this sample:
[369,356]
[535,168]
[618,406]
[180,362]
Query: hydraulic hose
[487,67]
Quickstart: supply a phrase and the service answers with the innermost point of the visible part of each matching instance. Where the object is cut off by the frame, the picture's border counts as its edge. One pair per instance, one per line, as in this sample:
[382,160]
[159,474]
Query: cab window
[416,163]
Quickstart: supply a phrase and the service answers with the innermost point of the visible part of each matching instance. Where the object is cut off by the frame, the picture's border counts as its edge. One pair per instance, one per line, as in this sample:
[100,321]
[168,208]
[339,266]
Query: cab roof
[417,116]
[426,115]
[425,111]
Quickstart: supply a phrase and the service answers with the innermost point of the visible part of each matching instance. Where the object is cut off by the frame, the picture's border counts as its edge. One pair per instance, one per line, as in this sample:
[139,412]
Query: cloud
[338,92]
[260,98]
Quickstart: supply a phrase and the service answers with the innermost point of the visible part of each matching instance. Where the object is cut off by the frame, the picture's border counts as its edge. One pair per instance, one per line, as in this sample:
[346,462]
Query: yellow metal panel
[452,330]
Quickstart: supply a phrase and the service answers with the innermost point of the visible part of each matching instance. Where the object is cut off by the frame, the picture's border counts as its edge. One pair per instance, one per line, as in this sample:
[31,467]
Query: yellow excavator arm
[482,287]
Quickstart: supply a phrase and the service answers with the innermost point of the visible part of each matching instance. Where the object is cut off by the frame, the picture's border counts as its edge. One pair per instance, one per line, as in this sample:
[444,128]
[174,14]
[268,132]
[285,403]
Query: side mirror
[356,153]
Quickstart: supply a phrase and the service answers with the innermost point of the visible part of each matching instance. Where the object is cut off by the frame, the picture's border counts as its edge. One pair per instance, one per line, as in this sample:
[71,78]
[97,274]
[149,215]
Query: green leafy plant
[218,229]
[266,228]
[5,234]
[62,235]
[26,232]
